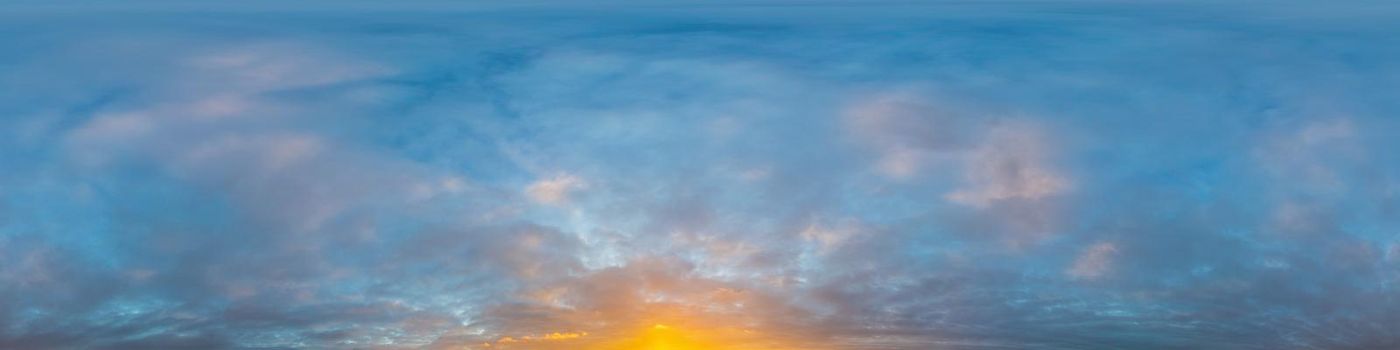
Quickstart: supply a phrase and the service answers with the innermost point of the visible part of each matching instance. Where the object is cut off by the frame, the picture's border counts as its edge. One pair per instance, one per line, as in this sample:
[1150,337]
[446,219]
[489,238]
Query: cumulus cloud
[831,237]
[1010,165]
[555,190]
[907,131]
[1002,159]
[1094,262]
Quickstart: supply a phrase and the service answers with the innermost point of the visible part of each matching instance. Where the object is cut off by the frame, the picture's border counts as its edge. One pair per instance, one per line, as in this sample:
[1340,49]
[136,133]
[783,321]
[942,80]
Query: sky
[670,175]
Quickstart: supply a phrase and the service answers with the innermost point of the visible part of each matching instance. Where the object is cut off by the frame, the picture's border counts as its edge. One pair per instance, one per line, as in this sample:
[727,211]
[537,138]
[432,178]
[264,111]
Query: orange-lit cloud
[648,304]
[535,339]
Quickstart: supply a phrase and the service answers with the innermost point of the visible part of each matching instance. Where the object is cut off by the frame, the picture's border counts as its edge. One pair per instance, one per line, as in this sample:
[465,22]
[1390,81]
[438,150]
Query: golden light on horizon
[663,337]
[671,336]
[699,318]
[656,336]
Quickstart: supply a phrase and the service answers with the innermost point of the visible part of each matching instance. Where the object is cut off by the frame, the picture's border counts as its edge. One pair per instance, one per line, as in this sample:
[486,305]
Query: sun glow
[657,336]
[663,337]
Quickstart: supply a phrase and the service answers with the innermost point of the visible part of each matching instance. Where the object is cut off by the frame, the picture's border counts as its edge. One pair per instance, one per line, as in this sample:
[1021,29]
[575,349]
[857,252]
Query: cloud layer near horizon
[748,178]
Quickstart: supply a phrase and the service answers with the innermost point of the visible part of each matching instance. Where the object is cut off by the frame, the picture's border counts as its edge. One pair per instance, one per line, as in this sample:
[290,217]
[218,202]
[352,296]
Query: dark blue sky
[672,176]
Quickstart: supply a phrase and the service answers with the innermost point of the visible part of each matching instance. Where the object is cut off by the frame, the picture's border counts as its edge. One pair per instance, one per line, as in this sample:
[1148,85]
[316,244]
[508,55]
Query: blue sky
[744,176]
